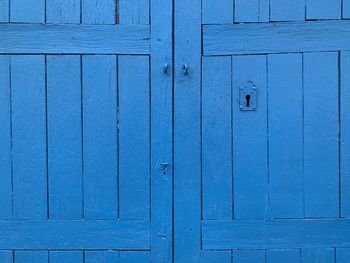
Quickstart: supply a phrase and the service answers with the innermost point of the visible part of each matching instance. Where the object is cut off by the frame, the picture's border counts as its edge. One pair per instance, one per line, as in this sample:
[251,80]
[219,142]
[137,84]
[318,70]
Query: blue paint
[174,131]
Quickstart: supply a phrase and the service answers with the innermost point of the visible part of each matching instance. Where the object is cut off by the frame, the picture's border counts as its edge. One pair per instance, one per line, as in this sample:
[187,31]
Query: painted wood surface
[345,134]
[326,255]
[271,234]
[98,121]
[252,11]
[276,37]
[77,39]
[217,143]
[5,139]
[100,137]
[64,137]
[187,128]
[29,165]
[75,234]
[323,9]
[161,74]
[250,174]
[321,135]
[287,10]
[285,136]
[134,137]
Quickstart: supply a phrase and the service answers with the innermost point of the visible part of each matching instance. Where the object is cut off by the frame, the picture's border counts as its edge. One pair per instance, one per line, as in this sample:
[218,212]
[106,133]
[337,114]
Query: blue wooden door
[236,151]
[261,131]
[85,131]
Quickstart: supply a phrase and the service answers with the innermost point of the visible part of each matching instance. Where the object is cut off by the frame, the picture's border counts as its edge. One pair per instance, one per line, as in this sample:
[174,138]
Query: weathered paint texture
[174,131]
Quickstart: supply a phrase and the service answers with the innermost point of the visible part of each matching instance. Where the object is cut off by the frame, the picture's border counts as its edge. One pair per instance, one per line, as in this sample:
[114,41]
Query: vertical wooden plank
[216,138]
[321,134]
[134,137]
[216,256]
[323,9]
[27,11]
[249,256]
[214,13]
[285,127]
[250,140]
[342,255]
[31,257]
[6,256]
[66,257]
[345,134]
[29,137]
[283,255]
[101,257]
[4,10]
[100,137]
[5,140]
[99,12]
[318,255]
[187,128]
[162,131]
[64,137]
[287,10]
[134,11]
[346,9]
[58,11]
[252,10]
[134,256]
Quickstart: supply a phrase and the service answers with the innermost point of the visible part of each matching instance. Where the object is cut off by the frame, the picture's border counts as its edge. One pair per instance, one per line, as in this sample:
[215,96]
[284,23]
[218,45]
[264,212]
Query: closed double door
[174,131]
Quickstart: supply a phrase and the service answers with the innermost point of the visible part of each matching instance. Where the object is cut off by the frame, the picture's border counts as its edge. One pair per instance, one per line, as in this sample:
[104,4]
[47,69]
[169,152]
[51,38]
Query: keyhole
[247,97]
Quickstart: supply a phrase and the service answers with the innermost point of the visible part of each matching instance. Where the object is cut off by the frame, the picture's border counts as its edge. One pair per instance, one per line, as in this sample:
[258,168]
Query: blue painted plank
[66,257]
[214,13]
[287,10]
[64,137]
[162,132]
[276,37]
[342,255]
[252,10]
[101,257]
[27,11]
[346,9]
[74,234]
[134,137]
[31,257]
[4,10]
[321,135]
[74,39]
[5,140]
[345,133]
[134,12]
[99,12]
[216,257]
[250,140]
[187,127]
[6,256]
[285,128]
[65,12]
[318,255]
[216,138]
[323,9]
[134,257]
[29,137]
[275,234]
[249,256]
[283,255]
[100,149]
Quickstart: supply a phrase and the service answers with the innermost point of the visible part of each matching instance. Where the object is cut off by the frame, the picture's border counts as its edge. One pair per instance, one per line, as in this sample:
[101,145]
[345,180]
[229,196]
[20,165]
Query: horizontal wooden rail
[282,37]
[101,234]
[270,234]
[74,39]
